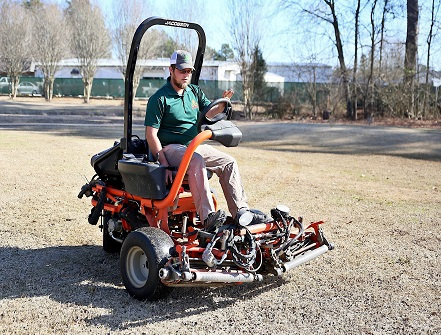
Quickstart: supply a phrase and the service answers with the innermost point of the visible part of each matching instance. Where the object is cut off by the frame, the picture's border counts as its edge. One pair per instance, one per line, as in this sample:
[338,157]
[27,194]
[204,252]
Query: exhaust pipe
[307,256]
[226,277]
[173,276]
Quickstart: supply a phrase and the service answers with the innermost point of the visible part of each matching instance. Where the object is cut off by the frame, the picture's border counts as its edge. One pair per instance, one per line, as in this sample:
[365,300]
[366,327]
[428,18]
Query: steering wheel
[224,115]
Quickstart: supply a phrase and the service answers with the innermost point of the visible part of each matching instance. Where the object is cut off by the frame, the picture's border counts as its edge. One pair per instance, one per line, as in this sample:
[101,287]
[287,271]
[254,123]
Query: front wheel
[143,253]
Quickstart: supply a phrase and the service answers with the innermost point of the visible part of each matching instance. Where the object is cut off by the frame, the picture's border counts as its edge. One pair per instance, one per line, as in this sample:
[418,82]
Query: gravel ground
[378,188]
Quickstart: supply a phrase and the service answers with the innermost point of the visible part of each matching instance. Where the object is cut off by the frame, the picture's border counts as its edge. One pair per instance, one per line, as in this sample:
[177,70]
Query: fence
[212,89]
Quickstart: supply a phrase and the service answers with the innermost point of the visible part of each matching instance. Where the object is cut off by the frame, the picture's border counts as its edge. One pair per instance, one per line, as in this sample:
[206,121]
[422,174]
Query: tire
[143,253]
[109,244]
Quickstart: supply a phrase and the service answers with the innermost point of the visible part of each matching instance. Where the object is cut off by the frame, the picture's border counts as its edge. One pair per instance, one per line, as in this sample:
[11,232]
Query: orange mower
[155,227]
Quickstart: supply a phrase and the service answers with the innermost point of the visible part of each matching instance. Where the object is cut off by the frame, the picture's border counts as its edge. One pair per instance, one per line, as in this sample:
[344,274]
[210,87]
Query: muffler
[173,276]
[307,256]
[226,277]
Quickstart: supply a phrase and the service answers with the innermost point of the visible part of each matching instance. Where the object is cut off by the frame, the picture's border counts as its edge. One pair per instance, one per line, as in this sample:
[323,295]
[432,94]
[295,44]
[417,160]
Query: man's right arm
[151,135]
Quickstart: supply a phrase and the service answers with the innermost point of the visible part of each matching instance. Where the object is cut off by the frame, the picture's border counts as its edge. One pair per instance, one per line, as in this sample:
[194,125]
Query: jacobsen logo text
[177,24]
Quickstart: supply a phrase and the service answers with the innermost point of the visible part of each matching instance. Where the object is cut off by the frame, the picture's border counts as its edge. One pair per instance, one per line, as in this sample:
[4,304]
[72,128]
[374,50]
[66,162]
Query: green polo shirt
[175,116]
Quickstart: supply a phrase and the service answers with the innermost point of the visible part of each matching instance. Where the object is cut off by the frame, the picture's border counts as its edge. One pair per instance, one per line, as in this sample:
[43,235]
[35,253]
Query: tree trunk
[15,80]
[411,54]
[370,83]
[136,81]
[383,22]
[87,90]
[354,72]
[48,88]
[341,58]
[314,95]
[429,44]
[247,103]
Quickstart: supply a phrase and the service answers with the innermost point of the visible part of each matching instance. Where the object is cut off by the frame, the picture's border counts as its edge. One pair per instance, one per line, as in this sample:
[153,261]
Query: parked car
[4,85]
[27,87]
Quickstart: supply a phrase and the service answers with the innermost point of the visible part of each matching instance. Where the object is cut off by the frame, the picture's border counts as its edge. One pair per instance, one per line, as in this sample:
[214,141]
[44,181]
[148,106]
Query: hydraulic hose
[96,212]
[290,242]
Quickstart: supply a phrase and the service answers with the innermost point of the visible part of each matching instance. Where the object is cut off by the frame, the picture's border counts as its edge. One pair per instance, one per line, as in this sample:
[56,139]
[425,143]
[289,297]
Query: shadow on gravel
[87,276]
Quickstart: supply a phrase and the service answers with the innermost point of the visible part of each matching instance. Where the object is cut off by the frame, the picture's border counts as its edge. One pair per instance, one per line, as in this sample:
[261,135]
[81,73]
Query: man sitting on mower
[171,124]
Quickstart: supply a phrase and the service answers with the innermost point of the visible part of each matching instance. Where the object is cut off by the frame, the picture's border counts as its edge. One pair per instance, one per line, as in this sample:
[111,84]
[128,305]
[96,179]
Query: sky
[286,39]
[213,20]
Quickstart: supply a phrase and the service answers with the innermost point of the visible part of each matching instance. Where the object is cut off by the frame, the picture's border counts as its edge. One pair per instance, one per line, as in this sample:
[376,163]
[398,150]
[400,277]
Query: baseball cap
[182,59]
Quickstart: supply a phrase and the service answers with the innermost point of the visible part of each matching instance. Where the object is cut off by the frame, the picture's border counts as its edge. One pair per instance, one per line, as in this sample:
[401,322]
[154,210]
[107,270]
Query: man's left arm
[219,108]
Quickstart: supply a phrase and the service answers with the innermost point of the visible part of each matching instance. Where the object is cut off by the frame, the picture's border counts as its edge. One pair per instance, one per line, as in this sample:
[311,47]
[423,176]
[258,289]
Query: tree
[90,39]
[411,53]
[14,42]
[33,4]
[429,49]
[386,9]
[226,52]
[354,71]
[168,46]
[49,42]
[325,12]
[311,87]
[341,58]
[258,70]
[190,11]
[369,90]
[210,53]
[245,31]
[128,14]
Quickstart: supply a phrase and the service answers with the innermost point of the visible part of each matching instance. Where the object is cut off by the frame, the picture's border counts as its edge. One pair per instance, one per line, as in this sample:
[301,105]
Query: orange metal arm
[201,137]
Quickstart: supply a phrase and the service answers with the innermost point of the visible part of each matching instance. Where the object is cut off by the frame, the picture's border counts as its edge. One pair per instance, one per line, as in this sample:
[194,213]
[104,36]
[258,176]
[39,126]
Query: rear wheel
[143,253]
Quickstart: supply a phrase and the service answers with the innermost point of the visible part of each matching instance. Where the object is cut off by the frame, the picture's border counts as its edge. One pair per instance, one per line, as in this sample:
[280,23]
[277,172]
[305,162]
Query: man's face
[181,78]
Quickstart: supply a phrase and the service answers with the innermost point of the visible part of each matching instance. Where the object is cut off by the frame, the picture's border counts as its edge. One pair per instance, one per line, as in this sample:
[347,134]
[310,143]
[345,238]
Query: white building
[278,73]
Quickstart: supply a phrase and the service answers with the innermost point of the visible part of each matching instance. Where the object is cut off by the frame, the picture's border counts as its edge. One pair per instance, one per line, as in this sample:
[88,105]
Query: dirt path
[378,189]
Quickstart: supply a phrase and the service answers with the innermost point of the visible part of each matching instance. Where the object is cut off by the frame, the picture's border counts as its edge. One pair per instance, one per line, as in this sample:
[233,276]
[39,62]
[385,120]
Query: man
[171,124]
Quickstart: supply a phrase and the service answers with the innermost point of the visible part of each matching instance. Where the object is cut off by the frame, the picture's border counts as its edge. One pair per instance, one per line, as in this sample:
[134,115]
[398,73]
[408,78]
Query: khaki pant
[224,166]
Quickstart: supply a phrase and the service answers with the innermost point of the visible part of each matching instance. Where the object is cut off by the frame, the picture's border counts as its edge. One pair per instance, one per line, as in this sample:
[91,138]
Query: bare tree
[49,42]
[354,70]
[369,89]
[90,39]
[128,14]
[14,42]
[341,58]
[311,86]
[325,11]
[429,40]
[385,11]
[411,53]
[191,11]
[246,33]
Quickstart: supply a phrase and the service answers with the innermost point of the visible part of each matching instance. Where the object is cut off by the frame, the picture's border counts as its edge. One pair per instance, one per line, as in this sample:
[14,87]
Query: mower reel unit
[155,227]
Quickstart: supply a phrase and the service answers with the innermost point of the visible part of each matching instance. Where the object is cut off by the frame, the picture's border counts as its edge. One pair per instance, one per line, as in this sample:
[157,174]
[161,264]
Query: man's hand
[168,177]
[228,94]
[219,108]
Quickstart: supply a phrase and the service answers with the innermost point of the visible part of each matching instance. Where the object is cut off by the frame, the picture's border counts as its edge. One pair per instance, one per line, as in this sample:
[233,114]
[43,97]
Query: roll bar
[131,63]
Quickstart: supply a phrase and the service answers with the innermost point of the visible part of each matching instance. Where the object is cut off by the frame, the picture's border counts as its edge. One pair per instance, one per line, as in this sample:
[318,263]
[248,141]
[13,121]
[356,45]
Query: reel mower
[155,227]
